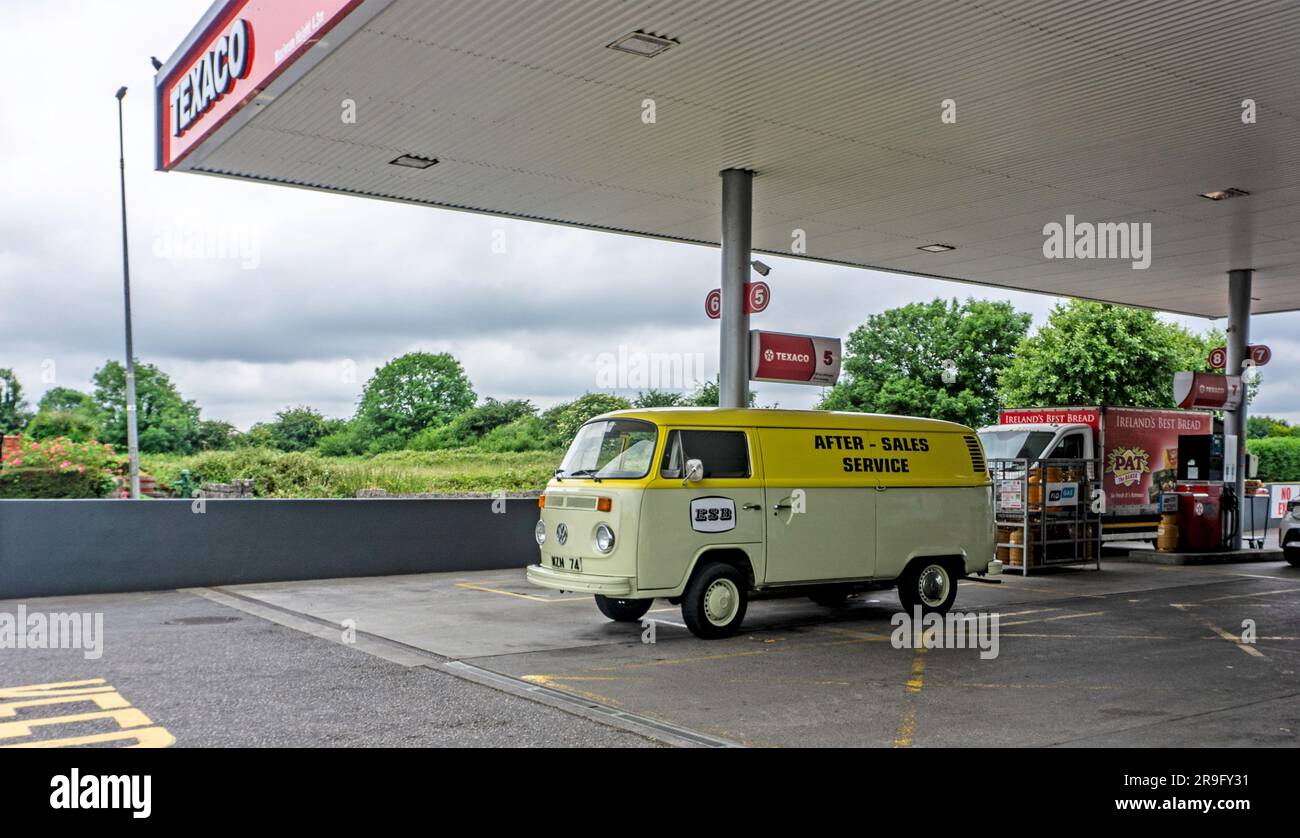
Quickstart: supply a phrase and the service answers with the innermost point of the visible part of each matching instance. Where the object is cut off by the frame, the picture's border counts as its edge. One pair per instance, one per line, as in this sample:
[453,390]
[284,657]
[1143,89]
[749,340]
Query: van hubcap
[933,585]
[721,599]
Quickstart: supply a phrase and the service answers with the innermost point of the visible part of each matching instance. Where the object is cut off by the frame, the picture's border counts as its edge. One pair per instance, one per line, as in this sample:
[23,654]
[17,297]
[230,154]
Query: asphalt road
[213,676]
[1131,655]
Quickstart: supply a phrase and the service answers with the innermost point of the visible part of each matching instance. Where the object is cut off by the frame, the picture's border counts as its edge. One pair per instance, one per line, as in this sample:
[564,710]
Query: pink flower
[18,461]
[81,469]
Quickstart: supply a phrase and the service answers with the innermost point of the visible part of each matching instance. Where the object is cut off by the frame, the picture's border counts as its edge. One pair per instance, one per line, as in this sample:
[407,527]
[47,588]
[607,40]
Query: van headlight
[539,533]
[604,538]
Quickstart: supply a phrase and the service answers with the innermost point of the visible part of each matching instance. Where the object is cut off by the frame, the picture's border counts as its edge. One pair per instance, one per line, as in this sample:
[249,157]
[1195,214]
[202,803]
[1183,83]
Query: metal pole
[132,438]
[737,220]
[1239,283]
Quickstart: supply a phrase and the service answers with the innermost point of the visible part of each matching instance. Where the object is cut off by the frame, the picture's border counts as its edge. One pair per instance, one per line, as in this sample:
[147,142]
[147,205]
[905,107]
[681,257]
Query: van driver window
[724,453]
[1071,448]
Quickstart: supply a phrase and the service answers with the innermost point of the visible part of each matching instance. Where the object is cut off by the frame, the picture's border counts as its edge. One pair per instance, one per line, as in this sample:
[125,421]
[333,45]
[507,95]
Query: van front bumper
[563,580]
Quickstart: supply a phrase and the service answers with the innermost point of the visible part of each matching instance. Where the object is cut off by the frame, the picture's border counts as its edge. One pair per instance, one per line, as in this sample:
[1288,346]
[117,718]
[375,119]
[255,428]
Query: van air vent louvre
[976,454]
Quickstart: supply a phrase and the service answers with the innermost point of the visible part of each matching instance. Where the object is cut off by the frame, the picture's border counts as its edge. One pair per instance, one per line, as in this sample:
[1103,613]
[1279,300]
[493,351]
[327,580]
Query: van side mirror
[694,472]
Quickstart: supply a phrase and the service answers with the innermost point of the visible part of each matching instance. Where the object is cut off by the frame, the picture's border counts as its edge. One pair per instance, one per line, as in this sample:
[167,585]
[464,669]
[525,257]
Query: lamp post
[132,439]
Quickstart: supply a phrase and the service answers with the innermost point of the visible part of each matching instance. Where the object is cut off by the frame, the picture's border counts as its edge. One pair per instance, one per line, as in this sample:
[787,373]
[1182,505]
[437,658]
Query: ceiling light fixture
[643,44]
[1225,194]
[936,248]
[412,161]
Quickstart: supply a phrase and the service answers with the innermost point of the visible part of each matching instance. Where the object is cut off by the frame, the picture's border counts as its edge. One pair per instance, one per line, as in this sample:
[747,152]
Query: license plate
[567,563]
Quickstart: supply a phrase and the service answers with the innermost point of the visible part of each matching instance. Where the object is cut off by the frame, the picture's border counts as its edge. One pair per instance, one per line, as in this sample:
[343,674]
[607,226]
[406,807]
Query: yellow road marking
[1059,592]
[1052,619]
[128,717]
[529,597]
[553,682]
[145,737]
[1226,635]
[915,682]
[1093,636]
[1244,596]
[132,723]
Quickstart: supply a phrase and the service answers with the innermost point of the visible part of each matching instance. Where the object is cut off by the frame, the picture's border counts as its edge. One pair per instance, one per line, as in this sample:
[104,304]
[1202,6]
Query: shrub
[524,434]
[472,425]
[65,423]
[562,421]
[1279,458]
[59,468]
[53,483]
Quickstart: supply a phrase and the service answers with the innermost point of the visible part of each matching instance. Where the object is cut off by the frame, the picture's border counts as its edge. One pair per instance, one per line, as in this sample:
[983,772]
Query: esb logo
[713,514]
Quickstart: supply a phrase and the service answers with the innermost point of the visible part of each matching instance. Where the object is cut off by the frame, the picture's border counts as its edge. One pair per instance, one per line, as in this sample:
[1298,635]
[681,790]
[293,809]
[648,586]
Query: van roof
[776,418]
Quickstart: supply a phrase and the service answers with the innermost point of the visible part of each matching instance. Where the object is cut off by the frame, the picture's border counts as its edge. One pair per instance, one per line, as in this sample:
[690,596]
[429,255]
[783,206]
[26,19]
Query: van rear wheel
[623,610]
[928,583]
[715,601]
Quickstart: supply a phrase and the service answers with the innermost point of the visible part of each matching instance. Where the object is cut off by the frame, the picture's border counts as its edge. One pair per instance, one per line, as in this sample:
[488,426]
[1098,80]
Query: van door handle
[777,507]
[752,506]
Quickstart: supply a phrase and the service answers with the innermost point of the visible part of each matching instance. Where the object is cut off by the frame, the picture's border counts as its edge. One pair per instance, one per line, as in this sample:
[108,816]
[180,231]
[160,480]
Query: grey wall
[57,547]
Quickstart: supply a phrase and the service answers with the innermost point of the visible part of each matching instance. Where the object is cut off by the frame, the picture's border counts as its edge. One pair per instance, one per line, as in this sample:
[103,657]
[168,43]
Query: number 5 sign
[757,296]
[798,359]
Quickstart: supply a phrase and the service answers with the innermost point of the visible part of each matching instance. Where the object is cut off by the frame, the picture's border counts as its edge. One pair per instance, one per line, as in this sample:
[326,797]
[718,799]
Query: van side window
[724,453]
[1070,447]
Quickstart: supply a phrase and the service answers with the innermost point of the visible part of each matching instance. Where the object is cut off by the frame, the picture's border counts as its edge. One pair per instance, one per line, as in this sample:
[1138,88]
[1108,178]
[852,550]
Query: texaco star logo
[768,355]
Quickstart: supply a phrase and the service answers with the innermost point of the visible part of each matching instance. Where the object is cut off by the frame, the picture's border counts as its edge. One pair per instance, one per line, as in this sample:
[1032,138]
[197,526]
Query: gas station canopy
[1108,111]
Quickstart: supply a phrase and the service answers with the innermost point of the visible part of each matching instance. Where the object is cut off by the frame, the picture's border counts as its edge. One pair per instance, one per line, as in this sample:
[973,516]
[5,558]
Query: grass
[309,475]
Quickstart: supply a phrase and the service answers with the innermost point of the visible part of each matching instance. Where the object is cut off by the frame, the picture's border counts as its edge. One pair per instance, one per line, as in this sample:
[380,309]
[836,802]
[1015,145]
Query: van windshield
[1015,445]
[616,449]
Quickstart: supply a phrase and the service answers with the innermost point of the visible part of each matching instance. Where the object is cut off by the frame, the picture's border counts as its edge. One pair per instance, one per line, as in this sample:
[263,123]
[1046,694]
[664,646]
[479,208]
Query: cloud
[254,297]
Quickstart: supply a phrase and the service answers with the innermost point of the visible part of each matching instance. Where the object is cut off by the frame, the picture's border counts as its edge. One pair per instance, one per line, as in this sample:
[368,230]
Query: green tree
[213,435]
[65,423]
[67,399]
[13,409]
[561,422]
[65,412]
[939,359]
[473,425]
[415,391]
[659,398]
[167,422]
[1259,427]
[1097,354]
[297,429]
[706,395]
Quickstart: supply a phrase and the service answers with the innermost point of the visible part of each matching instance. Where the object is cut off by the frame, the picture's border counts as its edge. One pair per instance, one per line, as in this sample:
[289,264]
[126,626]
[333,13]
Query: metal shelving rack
[1055,528]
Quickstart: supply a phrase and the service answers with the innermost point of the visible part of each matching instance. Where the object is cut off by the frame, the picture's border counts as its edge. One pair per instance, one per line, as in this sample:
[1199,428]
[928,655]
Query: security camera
[760,268]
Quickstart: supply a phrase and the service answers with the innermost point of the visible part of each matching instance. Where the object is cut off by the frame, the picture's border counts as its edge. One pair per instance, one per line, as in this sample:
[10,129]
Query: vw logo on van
[562,533]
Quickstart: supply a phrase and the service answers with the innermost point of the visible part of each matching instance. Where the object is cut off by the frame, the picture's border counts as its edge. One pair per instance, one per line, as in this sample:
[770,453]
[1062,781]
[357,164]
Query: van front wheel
[929,583]
[715,601]
[623,610]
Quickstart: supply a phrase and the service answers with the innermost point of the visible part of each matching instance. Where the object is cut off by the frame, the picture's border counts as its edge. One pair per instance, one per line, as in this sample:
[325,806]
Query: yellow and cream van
[708,507]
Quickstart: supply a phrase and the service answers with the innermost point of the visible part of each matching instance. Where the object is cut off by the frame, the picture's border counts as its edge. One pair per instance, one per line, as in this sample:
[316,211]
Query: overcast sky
[316,290]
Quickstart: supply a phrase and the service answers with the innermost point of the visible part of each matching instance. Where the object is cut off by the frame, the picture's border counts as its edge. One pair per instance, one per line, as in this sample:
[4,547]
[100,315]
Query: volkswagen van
[710,507]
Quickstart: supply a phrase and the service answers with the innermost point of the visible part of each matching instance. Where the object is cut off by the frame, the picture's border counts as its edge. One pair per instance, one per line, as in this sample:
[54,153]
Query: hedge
[46,484]
[1279,458]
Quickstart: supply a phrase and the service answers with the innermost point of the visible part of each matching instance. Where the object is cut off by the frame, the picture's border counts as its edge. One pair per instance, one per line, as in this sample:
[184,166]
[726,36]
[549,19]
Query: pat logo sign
[713,514]
[1128,465]
[212,76]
